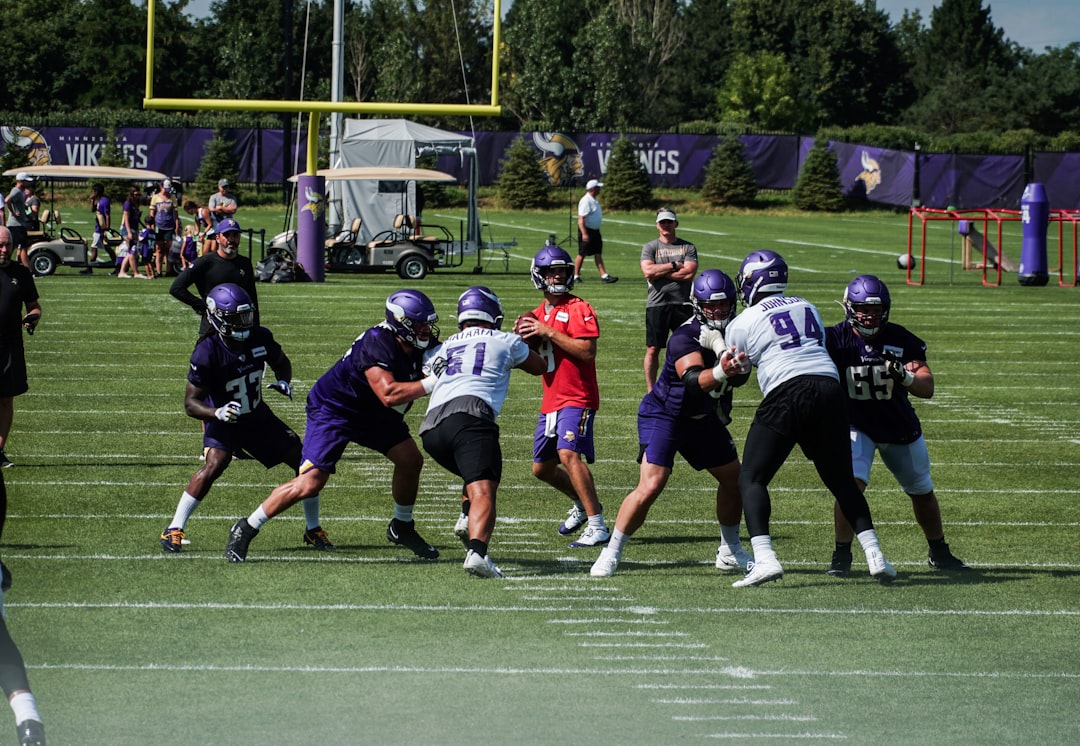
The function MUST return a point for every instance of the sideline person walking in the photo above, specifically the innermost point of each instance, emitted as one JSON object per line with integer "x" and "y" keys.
{"x": 590, "y": 242}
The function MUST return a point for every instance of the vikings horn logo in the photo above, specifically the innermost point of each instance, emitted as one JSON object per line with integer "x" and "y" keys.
{"x": 562, "y": 157}
{"x": 870, "y": 176}
{"x": 316, "y": 203}
{"x": 28, "y": 140}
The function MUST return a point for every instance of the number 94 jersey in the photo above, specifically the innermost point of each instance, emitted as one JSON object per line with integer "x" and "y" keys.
{"x": 234, "y": 373}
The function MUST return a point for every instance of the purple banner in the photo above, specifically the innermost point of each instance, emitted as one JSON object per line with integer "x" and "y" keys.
{"x": 671, "y": 160}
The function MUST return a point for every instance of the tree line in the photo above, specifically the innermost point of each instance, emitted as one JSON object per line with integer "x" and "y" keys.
{"x": 565, "y": 65}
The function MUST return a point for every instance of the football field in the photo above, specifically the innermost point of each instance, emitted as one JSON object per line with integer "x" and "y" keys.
{"x": 125, "y": 645}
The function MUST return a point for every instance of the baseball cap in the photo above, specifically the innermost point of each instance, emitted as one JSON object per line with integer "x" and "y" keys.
{"x": 167, "y": 185}
{"x": 227, "y": 225}
{"x": 223, "y": 182}
{"x": 593, "y": 184}
{"x": 23, "y": 176}
{"x": 666, "y": 215}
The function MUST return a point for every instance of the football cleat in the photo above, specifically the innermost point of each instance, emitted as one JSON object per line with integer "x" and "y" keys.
{"x": 240, "y": 535}
{"x": 841, "y": 563}
{"x": 759, "y": 573}
{"x": 172, "y": 540}
{"x": 944, "y": 560}
{"x": 318, "y": 539}
{"x": 575, "y": 519}
{"x": 729, "y": 561}
{"x": 880, "y": 567}
{"x": 31, "y": 733}
{"x": 481, "y": 566}
{"x": 592, "y": 537}
{"x": 5, "y": 578}
{"x": 6, "y": 463}
{"x": 461, "y": 529}
{"x": 605, "y": 564}
{"x": 404, "y": 534}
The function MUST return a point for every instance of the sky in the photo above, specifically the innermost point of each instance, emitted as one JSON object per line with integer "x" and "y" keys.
{"x": 1035, "y": 24}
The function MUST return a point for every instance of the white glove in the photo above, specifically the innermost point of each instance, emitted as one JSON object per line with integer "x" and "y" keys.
{"x": 435, "y": 366}
{"x": 229, "y": 413}
{"x": 283, "y": 387}
{"x": 712, "y": 339}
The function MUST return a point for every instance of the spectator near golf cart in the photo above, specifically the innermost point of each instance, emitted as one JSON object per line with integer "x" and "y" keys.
{"x": 61, "y": 245}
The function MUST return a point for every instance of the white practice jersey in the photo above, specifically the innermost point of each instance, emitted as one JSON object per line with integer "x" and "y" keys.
{"x": 783, "y": 336}
{"x": 479, "y": 361}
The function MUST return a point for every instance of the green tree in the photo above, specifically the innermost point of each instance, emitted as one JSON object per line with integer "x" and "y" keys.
{"x": 626, "y": 183}
{"x": 702, "y": 62}
{"x": 761, "y": 90}
{"x": 522, "y": 183}
{"x": 37, "y": 55}
{"x": 537, "y": 67}
{"x": 729, "y": 178}
{"x": 818, "y": 186}
{"x": 218, "y": 163}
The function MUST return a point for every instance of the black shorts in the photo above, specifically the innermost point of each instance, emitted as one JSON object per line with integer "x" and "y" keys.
{"x": 18, "y": 237}
{"x": 592, "y": 247}
{"x": 661, "y": 321}
{"x": 467, "y": 446}
{"x": 12, "y": 370}
{"x": 162, "y": 236}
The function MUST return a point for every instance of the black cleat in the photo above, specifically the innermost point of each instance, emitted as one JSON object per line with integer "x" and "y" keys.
{"x": 399, "y": 532}
{"x": 840, "y": 567}
{"x": 240, "y": 535}
{"x": 5, "y": 462}
{"x": 944, "y": 560}
{"x": 31, "y": 733}
{"x": 317, "y": 538}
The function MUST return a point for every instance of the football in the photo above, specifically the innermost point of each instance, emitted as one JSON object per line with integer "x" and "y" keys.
{"x": 903, "y": 260}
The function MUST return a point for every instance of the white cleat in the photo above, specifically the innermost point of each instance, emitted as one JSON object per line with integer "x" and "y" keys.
{"x": 880, "y": 567}
{"x": 760, "y": 572}
{"x": 729, "y": 561}
{"x": 575, "y": 519}
{"x": 481, "y": 566}
{"x": 592, "y": 537}
{"x": 605, "y": 564}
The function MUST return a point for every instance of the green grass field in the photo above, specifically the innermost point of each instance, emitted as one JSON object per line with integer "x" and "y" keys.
{"x": 127, "y": 646}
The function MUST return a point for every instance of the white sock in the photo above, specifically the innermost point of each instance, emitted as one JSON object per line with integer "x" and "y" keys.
{"x": 597, "y": 521}
{"x": 763, "y": 550}
{"x": 184, "y": 509}
{"x": 311, "y": 511}
{"x": 24, "y": 706}
{"x": 729, "y": 537}
{"x": 869, "y": 541}
{"x": 403, "y": 513}
{"x": 258, "y": 518}
{"x": 618, "y": 540}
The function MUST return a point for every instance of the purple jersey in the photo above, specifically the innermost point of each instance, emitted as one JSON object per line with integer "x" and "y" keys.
{"x": 669, "y": 390}
{"x": 233, "y": 374}
{"x": 103, "y": 210}
{"x": 877, "y": 405}
{"x": 344, "y": 390}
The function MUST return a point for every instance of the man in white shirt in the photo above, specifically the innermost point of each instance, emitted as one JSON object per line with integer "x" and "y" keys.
{"x": 590, "y": 242}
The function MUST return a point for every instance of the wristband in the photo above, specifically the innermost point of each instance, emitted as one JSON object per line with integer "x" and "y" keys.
{"x": 718, "y": 373}
{"x": 429, "y": 382}
{"x": 908, "y": 379}
{"x": 674, "y": 266}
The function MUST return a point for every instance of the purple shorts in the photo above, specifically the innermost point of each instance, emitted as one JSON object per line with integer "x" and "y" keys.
{"x": 705, "y": 443}
{"x": 260, "y": 433}
{"x": 327, "y": 435}
{"x": 567, "y": 429}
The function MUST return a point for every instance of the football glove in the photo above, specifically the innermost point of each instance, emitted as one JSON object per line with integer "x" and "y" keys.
{"x": 283, "y": 387}
{"x": 895, "y": 370}
{"x": 712, "y": 339}
{"x": 435, "y": 366}
{"x": 229, "y": 413}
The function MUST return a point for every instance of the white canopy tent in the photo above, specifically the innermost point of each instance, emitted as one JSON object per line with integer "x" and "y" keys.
{"x": 395, "y": 143}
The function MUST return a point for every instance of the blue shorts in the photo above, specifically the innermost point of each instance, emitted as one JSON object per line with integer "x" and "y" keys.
{"x": 327, "y": 435}
{"x": 260, "y": 433}
{"x": 704, "y": 442}
{"x": 566, "y": 429}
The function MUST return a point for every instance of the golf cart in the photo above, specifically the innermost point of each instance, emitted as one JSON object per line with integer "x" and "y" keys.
{"x": 397, "y": 248}
{"x": 60, "y": 245}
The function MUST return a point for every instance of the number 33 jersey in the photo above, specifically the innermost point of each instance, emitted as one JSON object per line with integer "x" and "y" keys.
{"x": 233, "y": 374}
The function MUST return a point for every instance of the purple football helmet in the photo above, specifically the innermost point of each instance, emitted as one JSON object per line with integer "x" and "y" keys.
{"x": 478, "y": 303}
{"x": 762, "y": 272}
{"x": 230, "y": 311}
{"x": 408, "y": 312}
{"x": 866, "y": 305}
{"x": 552, "y": 256}
{"x": 713, "y": 299}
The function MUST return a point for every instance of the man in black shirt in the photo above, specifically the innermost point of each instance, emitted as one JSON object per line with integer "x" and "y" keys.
{"x": 17, "y": 292}
{"x": 210, "y": 270}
